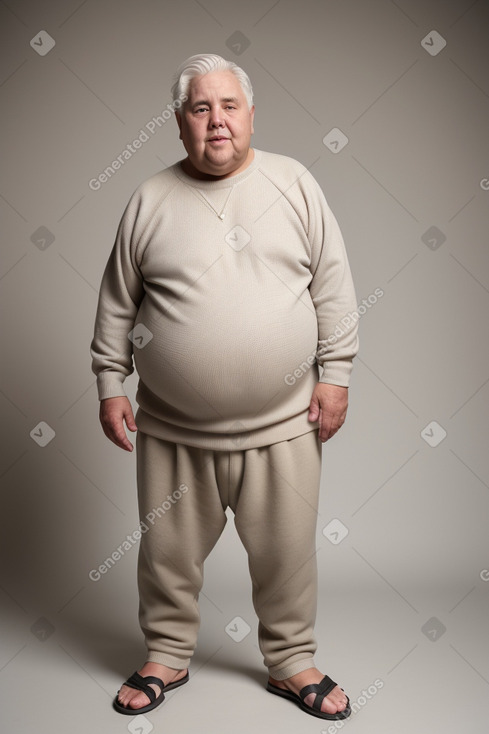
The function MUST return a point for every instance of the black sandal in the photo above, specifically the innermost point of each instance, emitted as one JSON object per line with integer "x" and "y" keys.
{"x": 142, "y": 684}
{"x": 322, "y": 689}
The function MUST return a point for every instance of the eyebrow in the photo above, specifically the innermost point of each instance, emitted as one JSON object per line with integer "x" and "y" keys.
{"x": 223, "y": 99}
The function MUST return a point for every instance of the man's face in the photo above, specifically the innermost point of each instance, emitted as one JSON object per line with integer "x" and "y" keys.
{"x": 216, "y": 126}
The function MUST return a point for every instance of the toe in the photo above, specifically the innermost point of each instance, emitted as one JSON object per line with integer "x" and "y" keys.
{"x": 335, "y": 702}
{"x": 138, "y": 701}
{"x": 337, "y": 699}
{"x": 141, "y": 699}
{"x": 134, "y": 699}
{"x": 122, "y": 694}
{"x": 330, "y": 707}
{"x": 327, "y": 705}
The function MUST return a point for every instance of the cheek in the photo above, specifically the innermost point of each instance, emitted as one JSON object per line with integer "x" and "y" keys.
{"x": 192, "y": 133}
{"x": 242, "y": 129}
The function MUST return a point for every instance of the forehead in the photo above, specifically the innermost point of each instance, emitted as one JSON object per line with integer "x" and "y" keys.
{"x": 216, "y": 84}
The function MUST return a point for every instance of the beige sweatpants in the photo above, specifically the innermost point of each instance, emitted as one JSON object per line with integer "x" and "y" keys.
{"x": 273, "y": 490}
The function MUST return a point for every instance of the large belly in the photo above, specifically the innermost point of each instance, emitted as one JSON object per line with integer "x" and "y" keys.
{"x": 211, "y": 363}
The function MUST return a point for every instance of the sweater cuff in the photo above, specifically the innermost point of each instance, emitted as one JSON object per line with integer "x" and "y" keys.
{"x": 337, "y": 372}
{"x": 109, "y": 385}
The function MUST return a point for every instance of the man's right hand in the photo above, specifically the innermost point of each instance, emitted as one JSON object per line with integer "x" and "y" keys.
{"x": 113, "y": 413}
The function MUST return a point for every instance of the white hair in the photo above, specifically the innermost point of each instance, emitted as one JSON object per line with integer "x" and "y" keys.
{"x": 203, "y": 64}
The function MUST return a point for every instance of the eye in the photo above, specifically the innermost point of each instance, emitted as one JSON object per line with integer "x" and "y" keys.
{"x": 201, "y": 109}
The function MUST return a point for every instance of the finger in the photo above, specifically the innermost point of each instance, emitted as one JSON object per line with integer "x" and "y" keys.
{"x": 121, "y": 440}
{"x": 329, "y": 425}
{"x": 115, "y": 432}
{"x": 335, "y": 424}
{"x": 130, "y": 422}
{"x": 314, "y": 410}
{"x": 325, "y": 426}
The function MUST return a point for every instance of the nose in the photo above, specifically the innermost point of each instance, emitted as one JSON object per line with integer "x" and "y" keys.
{"x": 216, "y": 118}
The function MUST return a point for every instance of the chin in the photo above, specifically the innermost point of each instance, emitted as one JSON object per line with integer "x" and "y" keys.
{"x": 220, "y": 162}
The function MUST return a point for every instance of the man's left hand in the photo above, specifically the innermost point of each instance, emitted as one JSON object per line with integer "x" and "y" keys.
{"x": 329, "y": 404}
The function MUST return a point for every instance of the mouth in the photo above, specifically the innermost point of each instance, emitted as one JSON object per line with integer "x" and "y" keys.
{"x": 217, "y": 139}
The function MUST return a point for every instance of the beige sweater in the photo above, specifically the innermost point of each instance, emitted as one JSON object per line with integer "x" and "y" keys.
{"x": 228, "y": 294}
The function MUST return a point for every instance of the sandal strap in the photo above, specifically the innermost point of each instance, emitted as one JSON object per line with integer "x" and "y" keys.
{"x": 321, "y": 690}
{"x": 141, "y": 684}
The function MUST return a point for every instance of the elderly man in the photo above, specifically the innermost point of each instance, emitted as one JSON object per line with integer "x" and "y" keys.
{"x": 229, "y": 285}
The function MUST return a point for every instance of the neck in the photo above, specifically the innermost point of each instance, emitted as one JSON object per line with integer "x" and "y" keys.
{"x": 194, "y": 172}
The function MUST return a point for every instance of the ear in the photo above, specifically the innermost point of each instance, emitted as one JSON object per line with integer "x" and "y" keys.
{"x": 179, "y": 122}
{"x": 252, "y": 118}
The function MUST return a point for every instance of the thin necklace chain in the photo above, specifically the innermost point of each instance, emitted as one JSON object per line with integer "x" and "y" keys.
{"x": 221, "y": 213}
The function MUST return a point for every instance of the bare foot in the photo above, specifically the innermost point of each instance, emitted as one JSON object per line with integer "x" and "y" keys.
{"x": 134, "y": 699}
{"x": 333, "y": 703}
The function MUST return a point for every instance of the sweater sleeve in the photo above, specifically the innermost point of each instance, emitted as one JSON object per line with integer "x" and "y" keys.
{"x": 121, "y": 293}
{"x": 331, "y": 288}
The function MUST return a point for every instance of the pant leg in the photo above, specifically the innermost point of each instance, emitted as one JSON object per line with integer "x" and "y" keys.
{"x": 183, "y": 527}
{"x": 276, "y": 517}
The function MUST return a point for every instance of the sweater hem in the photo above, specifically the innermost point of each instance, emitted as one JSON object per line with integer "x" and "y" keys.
{"x": 284, "y": 431}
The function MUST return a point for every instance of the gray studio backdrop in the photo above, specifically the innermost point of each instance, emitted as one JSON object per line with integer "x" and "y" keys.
{"x": 387, "y": 103}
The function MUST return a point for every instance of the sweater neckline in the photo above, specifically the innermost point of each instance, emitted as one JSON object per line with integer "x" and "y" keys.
{"x": 222, "y": 183}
